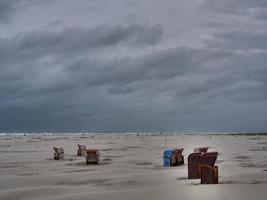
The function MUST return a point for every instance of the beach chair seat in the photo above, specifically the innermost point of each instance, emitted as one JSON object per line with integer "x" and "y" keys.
{"x": 194, "y": 160}
{"x": 81, "y": 151}
{"x": 59, "y": 153}
{"x": 92, "y": 156}
{"x": 201, "y": 150}
{"x": 209, "y": 172}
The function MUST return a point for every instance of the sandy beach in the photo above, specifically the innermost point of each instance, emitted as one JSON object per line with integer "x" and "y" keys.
{"x": 130, "y": 168}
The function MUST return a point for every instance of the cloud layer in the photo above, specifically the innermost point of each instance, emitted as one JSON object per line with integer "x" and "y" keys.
{"x": 131, "y": 70}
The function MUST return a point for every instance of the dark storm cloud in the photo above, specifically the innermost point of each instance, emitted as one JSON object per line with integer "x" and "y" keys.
{"x": 161, "y": 65}
{"x": 116, "y": 94}
{"x": 25, "y": 57}
{"x": 35, "y": 82}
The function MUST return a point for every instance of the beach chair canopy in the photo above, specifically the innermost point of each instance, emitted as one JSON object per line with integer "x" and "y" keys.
{"x": 179, "y": 151}
{"x": 201, "y": 150}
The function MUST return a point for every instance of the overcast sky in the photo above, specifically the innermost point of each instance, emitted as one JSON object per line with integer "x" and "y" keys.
{"x": 133, "y": 65}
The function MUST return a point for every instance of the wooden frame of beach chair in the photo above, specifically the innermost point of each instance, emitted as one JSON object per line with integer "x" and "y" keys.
{"x": 81, "y": 151}
{"x": 201, "y": 150}
{"x": 177, "y": 158}
{"x": 92, "y": 156}
{"x": 194, "y": 161}
{"x": 209, "y": 172}
{"x": 59, "y": 153}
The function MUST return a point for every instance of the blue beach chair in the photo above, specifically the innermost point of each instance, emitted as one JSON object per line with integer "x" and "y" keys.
{"x": 167, "y": 157}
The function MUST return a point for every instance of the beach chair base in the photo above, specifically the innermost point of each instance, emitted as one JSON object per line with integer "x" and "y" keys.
{"x": 59, "y": 157}
{"x": 79, "y": 153}
{"x": 91, "y": 162}
{"x": 210, "y": 176}
{"x": 177, "y": 160}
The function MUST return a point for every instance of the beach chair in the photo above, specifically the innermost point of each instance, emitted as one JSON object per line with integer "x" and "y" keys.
{"x": 92, "y": 156}
{"x": 81, "y": 151}
{"x": 194, "y": 160}
{"x": 177, "y": 157}
{"x": 209, "y": 172}
{"x": 201, "y": 150}
{"x": 59, "y": 153}
{"x": 167, "y": 155}
{"x": 173, "y": 157}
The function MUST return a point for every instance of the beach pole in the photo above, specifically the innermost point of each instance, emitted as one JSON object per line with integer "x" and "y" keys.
{"x": 166, "y": 140}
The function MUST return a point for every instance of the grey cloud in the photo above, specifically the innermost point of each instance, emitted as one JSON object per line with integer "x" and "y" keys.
{"x": 79, "y": 40}
{"x": 131, "y": 77}
{"x": 201, "y": 68}
{"x": 135, "y": 93}
{"x": 236, "y": 7}
{"x": 161, "y": 65}
{"x": 261, "y": 13}
{"x": 239, "y": 40}
{"x": 54, "y": 23}
{"x": 6, "y": 9}
{"x": 98, "y": 5}
{"x": 237, "y": 25}
{"x": 29, "y": 61}
{"x": 30, "y": 53}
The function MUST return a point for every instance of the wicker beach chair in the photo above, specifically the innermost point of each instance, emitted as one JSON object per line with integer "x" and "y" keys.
{"x": 173, "y": 157}
{"x": 59, "y": 153}
{"x": 177, "y": 157}
{"x": 209, "y": 172}
{"x": 194, "y": 161}
{"x": 81, "y": 151}
{"x": 92, "y": 156}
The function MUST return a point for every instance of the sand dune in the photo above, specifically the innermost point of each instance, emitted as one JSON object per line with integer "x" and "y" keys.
{"x": 130, "y": 168}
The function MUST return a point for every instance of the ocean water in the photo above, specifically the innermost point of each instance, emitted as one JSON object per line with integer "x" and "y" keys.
{"x": 111, "y": 133}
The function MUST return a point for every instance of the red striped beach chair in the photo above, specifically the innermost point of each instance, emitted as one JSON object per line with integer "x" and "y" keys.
{"x": 92, "y": 156}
